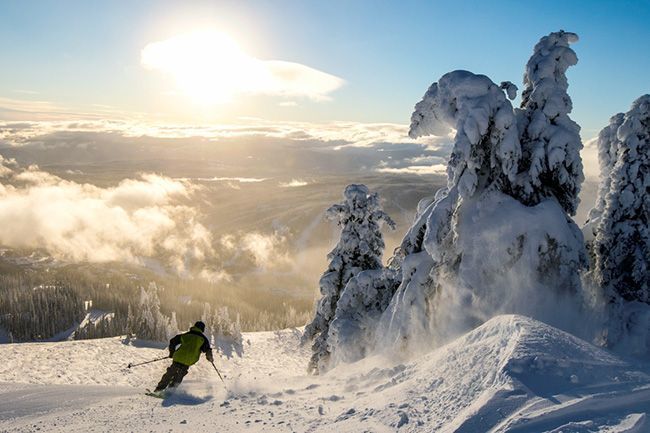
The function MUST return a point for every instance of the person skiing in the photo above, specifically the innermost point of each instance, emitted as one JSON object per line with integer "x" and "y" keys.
{"x": 185, "y": 350}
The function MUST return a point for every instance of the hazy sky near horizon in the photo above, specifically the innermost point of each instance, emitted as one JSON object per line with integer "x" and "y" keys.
{"x": 312, "y": 61}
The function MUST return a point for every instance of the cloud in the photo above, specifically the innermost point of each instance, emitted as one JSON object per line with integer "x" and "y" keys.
{"x": 251, "y": 151}
{"x": 337, "y": 135}
{"x": 367, "y": 141}
{"x": 231, "y": 182}
{"x": 428, "y": 163}
{"x": 440, "y": 169}
{"x": 7, "y": 166}
{"x": 133, "y": 220}
{"x": 266, "y": 248}
{"x": 26, "y": 92}
{"x": 18, "y": 109}
{"x": 232, "y": 179}
{"x": 209, "y": 66}
{"x": 590, "y": 159}
{"x": 226, "y": 179}
{"x": 294, "y": 183}
{"x": 268, "y": 251}
{"x": 215, "y": 276}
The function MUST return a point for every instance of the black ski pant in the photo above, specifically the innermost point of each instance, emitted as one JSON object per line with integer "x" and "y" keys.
{"x": 173, "y": 376}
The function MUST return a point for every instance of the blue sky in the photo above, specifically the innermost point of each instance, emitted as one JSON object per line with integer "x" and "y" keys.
{"x": 82, "y": 54}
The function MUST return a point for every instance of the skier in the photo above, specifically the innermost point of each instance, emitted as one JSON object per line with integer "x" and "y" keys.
{"x": 192, "y": 343}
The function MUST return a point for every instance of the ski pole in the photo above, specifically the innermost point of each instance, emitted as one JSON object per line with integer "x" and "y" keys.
{"x": 147, "y": 362}
{"x": 217, "y": 370}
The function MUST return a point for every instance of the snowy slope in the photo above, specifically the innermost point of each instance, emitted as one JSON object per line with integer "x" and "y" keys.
{"x": 511, "y": 374}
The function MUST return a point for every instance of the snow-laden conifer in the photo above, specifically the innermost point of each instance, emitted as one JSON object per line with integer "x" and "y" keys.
{"x": 551, "y": 165}
{"x": 486, "y": 147}
{"x": 484, "y": 156}
{"x": 622, "y": 243}
{"x": 360, "y": 248}
{"x": 607, "y": 156}
{"x": 145, "y": 320}
{"x": 498, "y": 238}
{"x": 366, "y": 296}
{"x": 607, "y": 143}
{"x": 172, "y": 328}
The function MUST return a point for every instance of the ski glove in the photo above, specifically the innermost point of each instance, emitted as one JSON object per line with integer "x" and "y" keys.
{"x": 209, "y": 356}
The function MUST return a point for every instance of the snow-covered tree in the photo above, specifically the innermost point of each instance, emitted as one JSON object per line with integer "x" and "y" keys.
{"x": 145, "y": 320}
{"x": 622, "y": 243}
{"x": 224, "y": 325}
{"x": 207, "y": 317}
{"x": 172, "y": 327}
{"x": 363, "y": 301}
{"x": 550, "y": 141}
{"x": 486, "y": 145}
{"x": 499, "y": 237}
{"x": 227, "y": 332}
{"x": 222, "y": 331}
{"x": 360, "y": 248}
{"x": 31, "y": 312}
{"x": 417, "y": 261}
{"x": 484, "y": 158}
{"x": 607, "y": 154}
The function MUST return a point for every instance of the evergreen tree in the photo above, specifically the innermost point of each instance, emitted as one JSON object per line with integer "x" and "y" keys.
{"x": 486, "y": 144}
{"x": 366, "y": 296}
{"x": 145, "y": 320}
{"x": 172, "y": 328}
{"x": 30, "y": 310}
{"x": 607, "y": 155}
{"x": 208, "y": 318}
{"x": 498, "y": 238}
{"x": 360, "y": 248}
{"x": 484, "y": 158}
{"x": 228, "y": 332}
{"x": 622, "y": 243}
{"x": 551, "y": 165}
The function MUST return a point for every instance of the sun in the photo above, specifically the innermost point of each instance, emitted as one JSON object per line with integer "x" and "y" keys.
{"x": 208, "y": 66}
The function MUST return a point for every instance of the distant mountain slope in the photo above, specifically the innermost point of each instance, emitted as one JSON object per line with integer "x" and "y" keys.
{"x": 512, "y": 374}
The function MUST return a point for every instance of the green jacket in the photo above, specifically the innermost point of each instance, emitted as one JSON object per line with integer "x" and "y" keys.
{"x": 191, "y": 343}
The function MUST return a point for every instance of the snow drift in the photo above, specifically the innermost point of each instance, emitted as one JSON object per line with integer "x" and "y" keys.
{"x": 511, "y": 374}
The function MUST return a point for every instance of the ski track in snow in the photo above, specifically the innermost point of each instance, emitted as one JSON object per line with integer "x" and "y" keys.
{"x": 512, "y": 374}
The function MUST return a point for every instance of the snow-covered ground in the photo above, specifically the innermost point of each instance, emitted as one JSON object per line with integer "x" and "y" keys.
{"x": 511, "y": 374}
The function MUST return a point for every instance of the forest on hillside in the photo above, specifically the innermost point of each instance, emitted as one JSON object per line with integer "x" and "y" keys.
{"x": 52, "y": 303}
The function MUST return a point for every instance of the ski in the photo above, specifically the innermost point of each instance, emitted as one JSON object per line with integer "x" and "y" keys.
{"x": 160, "y": 394}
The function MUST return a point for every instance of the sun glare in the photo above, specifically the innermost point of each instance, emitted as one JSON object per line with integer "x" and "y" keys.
{"x": 208, "y": 66}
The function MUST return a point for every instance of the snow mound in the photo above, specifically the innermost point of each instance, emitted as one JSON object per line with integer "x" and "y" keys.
{"x": 512, "y": 374}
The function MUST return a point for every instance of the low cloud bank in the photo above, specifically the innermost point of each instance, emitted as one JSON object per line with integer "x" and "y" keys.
{"x": 137, "y": 218}
{"x": 385, "y": 147}
{"x": 294, "y": 183}
{"x": 268, "y": 252}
